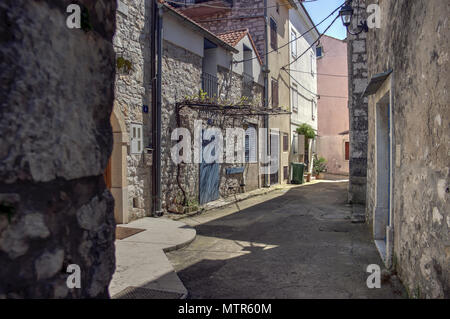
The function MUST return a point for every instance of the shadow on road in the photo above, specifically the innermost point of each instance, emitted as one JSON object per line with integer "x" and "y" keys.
{"x": 298, "y": 245}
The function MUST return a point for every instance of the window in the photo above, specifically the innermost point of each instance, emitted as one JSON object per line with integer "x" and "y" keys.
{"x": 319, "y": 52}
{"x": 273, "y": 34}
{"x": 285, "y": 142}
{"x": 285, "y": 172}
{"x": 293, "y": 44}
{"x": 274, "y": 93}
{"x": 347, "y": 151}
{"x": 136, "y": 139}
{"x": 294, "y": 98}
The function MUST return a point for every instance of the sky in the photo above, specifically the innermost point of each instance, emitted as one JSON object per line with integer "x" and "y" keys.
{"x": 319, "y": 9}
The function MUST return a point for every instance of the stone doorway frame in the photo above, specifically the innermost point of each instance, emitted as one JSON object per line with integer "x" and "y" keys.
{"x": 119, "y": 182}
{"x": 383, "y": 222}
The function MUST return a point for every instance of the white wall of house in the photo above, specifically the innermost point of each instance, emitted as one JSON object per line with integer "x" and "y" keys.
{"x": 177, "y": 33}
{"x": 251, "y": 68}
{"x": 223, "y": 57}
{"x": 303, "y": 71}
{"x": 303, "y": 81}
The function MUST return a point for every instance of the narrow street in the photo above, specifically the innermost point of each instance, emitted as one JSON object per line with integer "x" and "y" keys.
{"x": 294, "y": 243}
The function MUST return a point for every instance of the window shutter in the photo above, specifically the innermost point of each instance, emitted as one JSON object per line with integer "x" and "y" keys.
{"x": 347, "y": 151}
{"x": 293, "y": 44}
{"x": 247, "y": 148}
{"x": 136, "y": 139}
{"x": 139, "y": 139}
{"x": 285, "y": 142}
{"x": 250, "y": 145}
{"x": 273, "y": 34}
{"x": 274, "y": 93}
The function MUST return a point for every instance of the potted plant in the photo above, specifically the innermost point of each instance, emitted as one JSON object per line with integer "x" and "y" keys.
{"x": 308, "y": 177}
{"x": 319, "y": 167}
{"x": 309, "y": 133}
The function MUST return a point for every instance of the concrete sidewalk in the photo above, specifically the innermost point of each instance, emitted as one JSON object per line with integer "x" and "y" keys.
{"x": 142, "y": 268}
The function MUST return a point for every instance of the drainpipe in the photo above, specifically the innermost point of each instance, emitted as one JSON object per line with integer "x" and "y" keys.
{"x": 156, "y": 106}
{"x": 266, "y": 85}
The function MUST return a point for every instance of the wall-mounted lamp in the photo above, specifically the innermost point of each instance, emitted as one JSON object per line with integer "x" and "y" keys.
{"x": 346, "y": 14}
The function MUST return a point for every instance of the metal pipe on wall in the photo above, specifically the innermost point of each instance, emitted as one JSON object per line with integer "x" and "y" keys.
{"x": 266, "y": 85}
{"x": 156, "y": 47}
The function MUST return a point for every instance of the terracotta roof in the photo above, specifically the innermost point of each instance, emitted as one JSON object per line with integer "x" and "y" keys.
{"x": 234, "y": 36}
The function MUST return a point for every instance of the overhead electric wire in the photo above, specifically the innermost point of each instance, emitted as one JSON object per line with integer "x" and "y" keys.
{"x": 240, "y": 8}
{"x": 275, "y": 50}
{"x": 312, "y": 44}
{"x": 324, "y": 74}
{"x": 299, "y": 37}
{"x": 304, "y": 52}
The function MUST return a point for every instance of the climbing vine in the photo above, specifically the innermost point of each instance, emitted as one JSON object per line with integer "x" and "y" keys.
{"x": 124, "y": 65}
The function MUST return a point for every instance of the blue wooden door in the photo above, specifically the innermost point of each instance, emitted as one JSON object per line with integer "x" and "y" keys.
{"x": 209, "y": 178}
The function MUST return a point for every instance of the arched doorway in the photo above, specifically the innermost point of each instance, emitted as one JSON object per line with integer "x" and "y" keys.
{"x": 116, "y": 172}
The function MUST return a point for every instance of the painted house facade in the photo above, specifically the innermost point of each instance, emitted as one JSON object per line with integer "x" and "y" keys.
{"x": 333, "y": 116}
{"x": 303, "y": 90}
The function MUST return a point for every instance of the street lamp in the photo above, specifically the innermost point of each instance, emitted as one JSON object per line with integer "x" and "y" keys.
{"x": 346, "y": 14}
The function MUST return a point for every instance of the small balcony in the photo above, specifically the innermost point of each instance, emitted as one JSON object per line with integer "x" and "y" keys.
{"x": 210, "y": 84}
{"x": 194, "y": 8}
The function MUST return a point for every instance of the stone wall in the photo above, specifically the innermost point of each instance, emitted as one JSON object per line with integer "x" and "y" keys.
{"x": 132, "y": 92}
{"x": 229, "y": 184}
{"x": 357, "y": 72}
{"x": 182, "y": 77}
{"x": 251, "y": 18}
{"x": 415, "y": 45}
{"x": 56, "y": 98}
{"x": 233, "y": 87}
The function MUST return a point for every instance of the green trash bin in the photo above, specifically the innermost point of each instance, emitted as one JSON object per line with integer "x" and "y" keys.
{"x": 297, "y": 173}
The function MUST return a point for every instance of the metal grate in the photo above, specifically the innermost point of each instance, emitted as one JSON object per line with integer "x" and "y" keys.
{"x": 146, "y": 293}
{"x": 210, "y": 84}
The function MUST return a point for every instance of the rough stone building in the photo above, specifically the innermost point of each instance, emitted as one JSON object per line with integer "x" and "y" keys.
{"x": 195, "y": 59}
{"x": 56, "y": 98}
{"x": 128, "y": 174}
{"x": 408, "y": 141}
{"x": 270, "y": 32}
{"x": 357, "y": 107}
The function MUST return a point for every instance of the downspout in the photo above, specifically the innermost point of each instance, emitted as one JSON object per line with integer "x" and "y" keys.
{"x": 157, "y": 211}
{"x": 266, "y": 86}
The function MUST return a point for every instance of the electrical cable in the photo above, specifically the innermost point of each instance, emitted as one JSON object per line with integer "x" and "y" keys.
{"x": 299, "y": 37}
{"x": 240, "y": 8}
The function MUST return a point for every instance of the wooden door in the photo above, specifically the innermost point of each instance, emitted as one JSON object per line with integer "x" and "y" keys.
{"x": 107, "y": 175}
